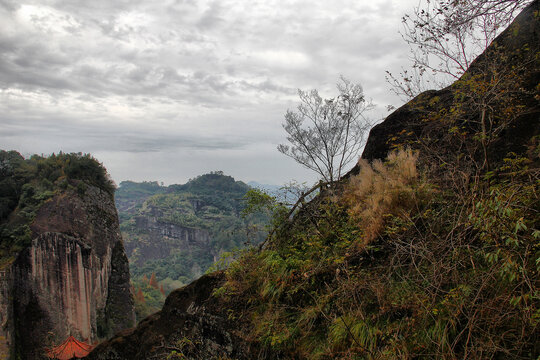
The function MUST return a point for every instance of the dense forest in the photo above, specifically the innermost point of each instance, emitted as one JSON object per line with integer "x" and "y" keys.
{"x": 173, "y": 234}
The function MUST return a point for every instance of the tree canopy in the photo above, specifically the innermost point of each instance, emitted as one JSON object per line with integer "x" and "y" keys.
{"x": 26, "y": 183}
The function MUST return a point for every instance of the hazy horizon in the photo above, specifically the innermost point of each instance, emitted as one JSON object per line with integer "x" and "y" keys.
{"x": 173, "y": 90}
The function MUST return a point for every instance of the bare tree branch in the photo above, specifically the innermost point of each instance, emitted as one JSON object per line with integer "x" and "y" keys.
{"x": 325, "y": 135}
{"x": 445, "y": 36}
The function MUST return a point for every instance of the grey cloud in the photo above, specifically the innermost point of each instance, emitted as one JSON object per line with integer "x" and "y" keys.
{"x": 145, "y": 77}
{"x": 181, "y": 59}
{"x": 136, "y": 142}
{"x": 10, "y": 5}
{"x": 37, "y": 56}
{"x": 12, "y": 75}
{"x": 153, "y": 144}
{"x": 268, "y": 86}
{"x": 212, "y": 17}
{"x": 96, "y": 6}
{"x": 113, "y": 137}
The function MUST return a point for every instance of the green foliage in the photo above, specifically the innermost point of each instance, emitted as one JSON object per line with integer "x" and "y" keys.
{"x": 447, "y": 274}
{"x": 214, "y": 203}
{"x": 257, "y": 200}
{"x": 179, "y": 265}
{"x": 148, "y": 299}
{"x": 135, "y": 190}
{"x": 261, "y": 206}
{"x": 224, "y": 260}
{"x": 25, "y": 184}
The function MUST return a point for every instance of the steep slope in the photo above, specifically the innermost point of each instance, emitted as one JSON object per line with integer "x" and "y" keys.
{"x": 64, "y": 266}
{"x": 192, "y": 323}
{"x": 176, "y": 233}
{"x": 504, "y": 80}
{"x": 433, "y": 253}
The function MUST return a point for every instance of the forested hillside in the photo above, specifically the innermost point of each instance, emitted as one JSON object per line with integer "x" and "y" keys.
{"x": 174, "y": 234}
{"x": 25, "y": 184}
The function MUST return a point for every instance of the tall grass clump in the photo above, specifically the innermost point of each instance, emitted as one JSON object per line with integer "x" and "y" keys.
{"x": 391, "y": 266}
{"x": 383, "y": 189}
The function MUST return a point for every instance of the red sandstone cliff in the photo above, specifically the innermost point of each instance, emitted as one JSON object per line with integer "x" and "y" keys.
{"x": 72, "y": 280}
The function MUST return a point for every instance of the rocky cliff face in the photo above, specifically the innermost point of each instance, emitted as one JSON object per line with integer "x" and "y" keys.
{"x": 509, "y": 65}
{"x": 192, "y": 322}
{"x": 162, "y": 238}
{"x": 72, "y": 280}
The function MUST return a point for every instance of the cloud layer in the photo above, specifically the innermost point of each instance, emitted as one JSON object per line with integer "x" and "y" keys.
{"x": 167, "y": 90}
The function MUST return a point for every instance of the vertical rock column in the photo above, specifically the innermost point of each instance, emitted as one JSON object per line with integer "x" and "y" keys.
{"x": 67, "y": 280}
{"x": 73, "y": 279}
{"x": 5, "y": 285}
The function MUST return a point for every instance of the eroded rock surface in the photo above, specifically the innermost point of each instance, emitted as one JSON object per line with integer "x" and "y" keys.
{"x": 163, "y": 238}
{"x": 192, "y": 322}
{"x": 72, "y": 280}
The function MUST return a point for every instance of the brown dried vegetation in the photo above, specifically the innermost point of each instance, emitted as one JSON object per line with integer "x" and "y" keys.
{"x": 381, "y": 190}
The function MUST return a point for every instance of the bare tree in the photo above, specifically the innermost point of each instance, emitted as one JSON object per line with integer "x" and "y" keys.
{"x": 325, "y": 135}
{"x": 445, "y": 36}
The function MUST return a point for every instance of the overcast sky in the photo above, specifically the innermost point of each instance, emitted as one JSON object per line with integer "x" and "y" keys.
{"x": 168, "y": 90}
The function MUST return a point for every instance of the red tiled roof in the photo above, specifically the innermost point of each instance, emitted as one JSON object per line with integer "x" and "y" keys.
{"x": 69, "y": 349}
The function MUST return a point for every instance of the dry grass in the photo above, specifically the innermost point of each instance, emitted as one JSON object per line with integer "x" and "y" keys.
{"x": 382, "y": 189}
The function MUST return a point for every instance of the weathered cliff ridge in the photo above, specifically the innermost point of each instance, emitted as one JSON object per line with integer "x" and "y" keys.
{"x": 177, "y": 232}
{"x": 506, "y": 72}
{"x": 163, "y": 238}
{"x": 72, "y": 280}
{"x": 355, "y": 307}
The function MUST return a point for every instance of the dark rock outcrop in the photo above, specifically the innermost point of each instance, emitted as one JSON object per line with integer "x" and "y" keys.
{"x": 192, "y": 322}
{"x": 72, "y": 280}
{"x": 162, "y": 238}
{"x": 515, "y": 50}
